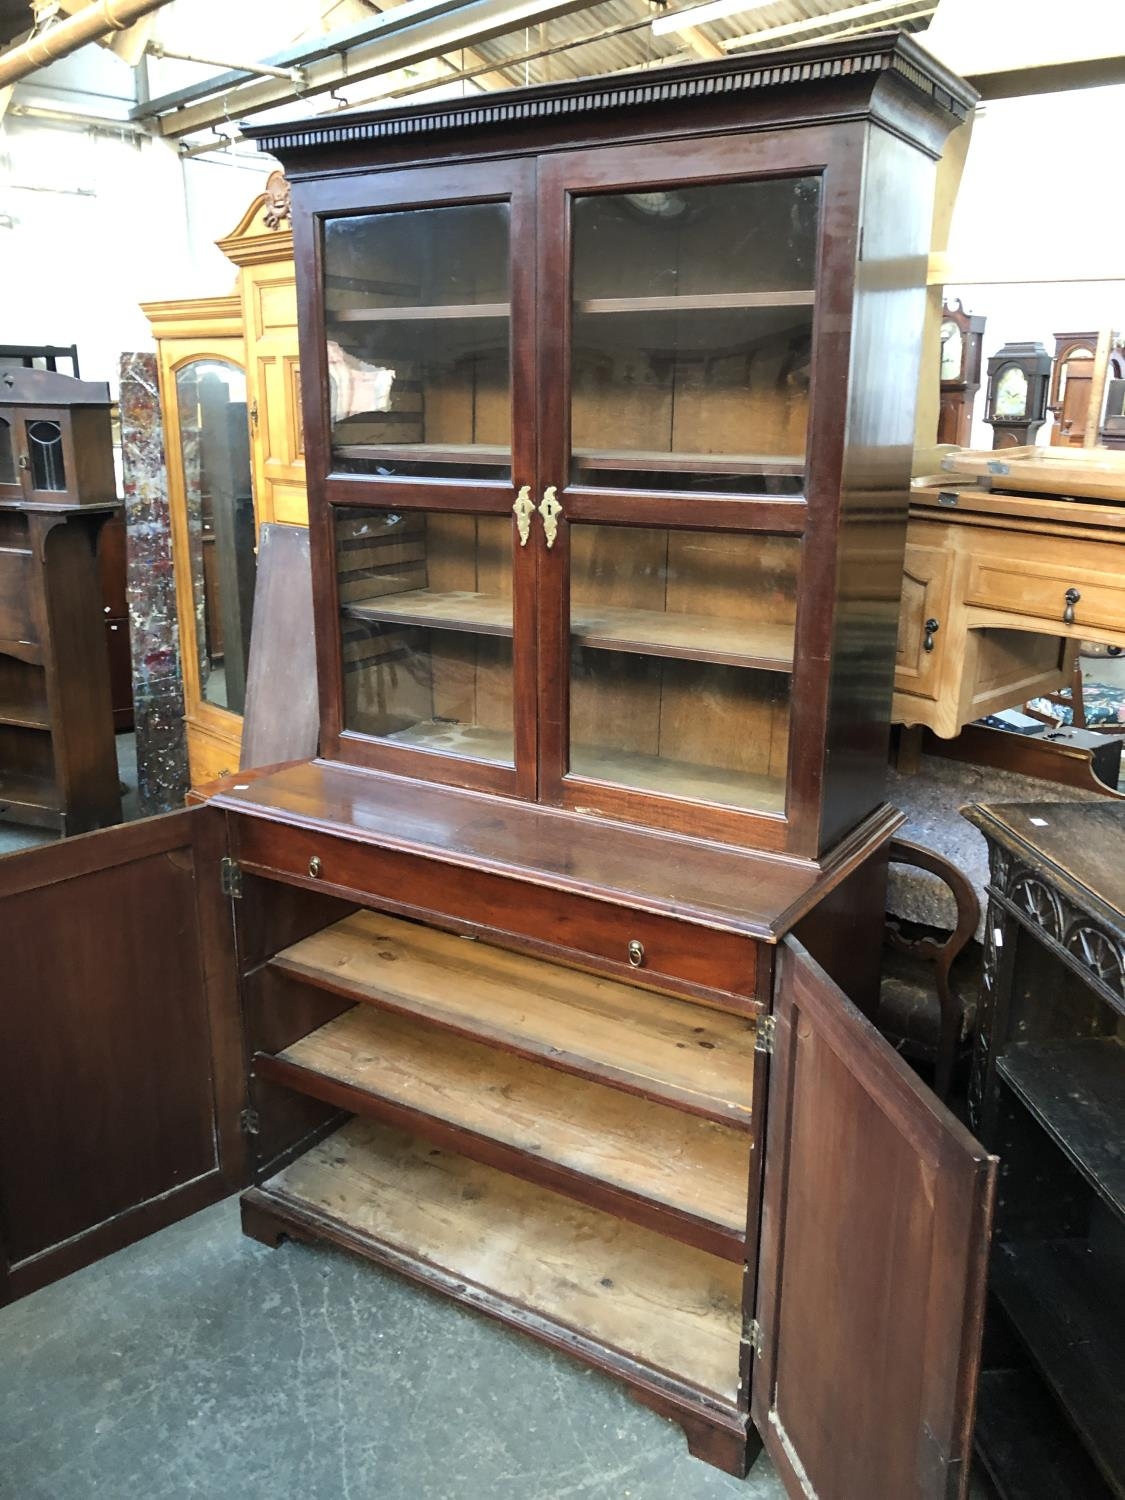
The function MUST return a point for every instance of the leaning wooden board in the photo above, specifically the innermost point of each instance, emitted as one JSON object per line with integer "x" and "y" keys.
{"x": 1093, "y": 474}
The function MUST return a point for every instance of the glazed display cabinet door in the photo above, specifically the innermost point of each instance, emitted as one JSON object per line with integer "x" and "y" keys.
{"x": 426, "y": 371}
{"x": 876, "y": 1223}
{"x": 679, "y": 297}
{"x": 121, "y": 1075}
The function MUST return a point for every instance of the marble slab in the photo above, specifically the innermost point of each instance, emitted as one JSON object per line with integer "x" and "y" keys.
{"x": 158, "y": 692}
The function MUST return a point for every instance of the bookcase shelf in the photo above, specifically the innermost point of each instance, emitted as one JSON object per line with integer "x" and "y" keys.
{"x": 596, "y": 1144}
{"x": 668, "y": 1050}
{"x": 647, "y": 632}
{"x": 524, "y": 1252}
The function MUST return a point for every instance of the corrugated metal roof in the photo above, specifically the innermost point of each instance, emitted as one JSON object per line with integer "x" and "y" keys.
{"x": 577, "y": 46}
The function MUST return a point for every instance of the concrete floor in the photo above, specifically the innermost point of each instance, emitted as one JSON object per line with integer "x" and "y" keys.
{"x": 200, "y": 1363}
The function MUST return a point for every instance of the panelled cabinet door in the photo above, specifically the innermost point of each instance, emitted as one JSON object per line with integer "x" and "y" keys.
{"x": 121, "y": 1071}
{"x": 876, "y": 1219}
{"x": 925, "y": 610}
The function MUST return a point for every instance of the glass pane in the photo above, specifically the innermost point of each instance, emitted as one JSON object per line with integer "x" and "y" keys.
{"x": 418, "y": 321}
{"x": 681, "y": 661}
{"x": 7, "y": 455}
{"x": 215, "y": 453}
{"x": 692, "y": 336}
{"x": 426, "y": 630}
{"x": 45, "y": 449}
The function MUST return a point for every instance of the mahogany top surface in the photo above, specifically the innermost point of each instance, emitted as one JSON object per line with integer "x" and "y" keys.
{"x": 715, "y": 885}
{"x": 1077, "y": 845}
{"x": 23, "y": 387}
{"x": 874, "y": 54}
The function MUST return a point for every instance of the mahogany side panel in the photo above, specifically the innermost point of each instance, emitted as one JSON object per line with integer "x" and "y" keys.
{"x": 886, "y": 333}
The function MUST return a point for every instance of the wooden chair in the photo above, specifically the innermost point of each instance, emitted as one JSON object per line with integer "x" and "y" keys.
{"x": 921, "y": 1010}
{"x": 1072, "y": 700}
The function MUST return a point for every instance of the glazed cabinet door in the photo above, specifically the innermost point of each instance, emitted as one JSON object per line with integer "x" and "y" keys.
{"x": 121, "y": 1070}
{"x": 683, "y": 291}
{"x": 876, "y": 1222}
{"x": 426, "y": 607}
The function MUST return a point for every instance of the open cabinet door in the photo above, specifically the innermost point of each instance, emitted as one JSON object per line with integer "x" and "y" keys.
{"x": 121, "y": 1070}
{"x": 875, "y": 1232}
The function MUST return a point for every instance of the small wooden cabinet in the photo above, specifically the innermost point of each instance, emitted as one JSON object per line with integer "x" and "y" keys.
{"x": 533, "y": 986}
{"x": 1048, "y": 1091}
{"x": 230, "y": 399}
{"x": 58, "y": 759}
{"x": 999, "y": 590}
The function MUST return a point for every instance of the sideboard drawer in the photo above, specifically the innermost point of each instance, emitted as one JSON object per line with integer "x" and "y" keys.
{"x": 1033, "y": 580}
{"x": 661, "y": 951}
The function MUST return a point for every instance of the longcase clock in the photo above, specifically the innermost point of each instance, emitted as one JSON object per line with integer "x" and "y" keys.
{"x": 962, "y": 336}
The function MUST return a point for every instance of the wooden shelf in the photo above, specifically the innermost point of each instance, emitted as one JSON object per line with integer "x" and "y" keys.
{"x": 659, "y": 461}
{"x": 32, "y": 792}
{"x": 434, "y": 312}
{"x": 1026, "y": 1446}
{"x": 27, "y": 651}
{"x": 467, "y": 741}
{"x": 1076, "y": 1090}
{"x": 695, "y": 302}
{"x": 698, "y": 1059}
{"x": 528, "y": 1255}
{"x": 594, "y": 1143}
{"x": 694, "y": 783}
{"x": 475, "y": 614}
{"x": 645, "y": 632}
{"x": 1070, "y": 1313}
{"x": 483, "y": 454}
{"x": 25, "y": 715}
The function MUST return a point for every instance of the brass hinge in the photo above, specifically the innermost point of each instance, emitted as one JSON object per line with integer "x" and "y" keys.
{"x": 763, "y": 1038}
{"x": 250, "y": 1121}
{"x": 752, "y": 1334}
{"x": 230, "y": 877}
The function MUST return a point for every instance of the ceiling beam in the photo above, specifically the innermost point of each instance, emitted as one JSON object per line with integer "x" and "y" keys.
{"x": 410, "y": 33}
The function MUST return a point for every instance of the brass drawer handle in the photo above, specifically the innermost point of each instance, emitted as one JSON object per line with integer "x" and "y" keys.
{"x": 314, "y": 866}
{"x": 524, "y": 509}
{"x": 1072, "y": 597}
{"x": 636, "y": 953}
{"x": 931, "y": 628}
{"x": 550, "y": 510}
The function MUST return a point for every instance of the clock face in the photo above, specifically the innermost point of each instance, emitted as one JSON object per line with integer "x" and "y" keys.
{"x": 952, "y": 348}
{"x": 1011, "y": 393}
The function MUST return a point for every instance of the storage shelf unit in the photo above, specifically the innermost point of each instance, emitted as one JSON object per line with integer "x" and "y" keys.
{"x": 591, "y": 563}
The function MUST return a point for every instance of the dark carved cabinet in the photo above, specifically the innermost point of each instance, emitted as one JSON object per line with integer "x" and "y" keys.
{"x": 58, "y": 762}
{"x": 544, "y": 985}
{"x": 1049, "y": 1095}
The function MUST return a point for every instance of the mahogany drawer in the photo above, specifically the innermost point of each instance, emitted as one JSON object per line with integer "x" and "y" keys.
{"x": 1033, "y": 580}
{"x": 673, "y": 954}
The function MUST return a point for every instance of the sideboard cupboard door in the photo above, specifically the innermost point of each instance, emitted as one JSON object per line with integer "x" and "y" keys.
{"x": 121, "y": 1060}
{"x": 875, "y": 1231}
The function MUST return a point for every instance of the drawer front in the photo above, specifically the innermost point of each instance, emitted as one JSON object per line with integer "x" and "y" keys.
{"x": 609, "y": 938}
{"x": 1034, "y": 578}
{"x": 210, "y": 757}
{"x": 15, "y": 597}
